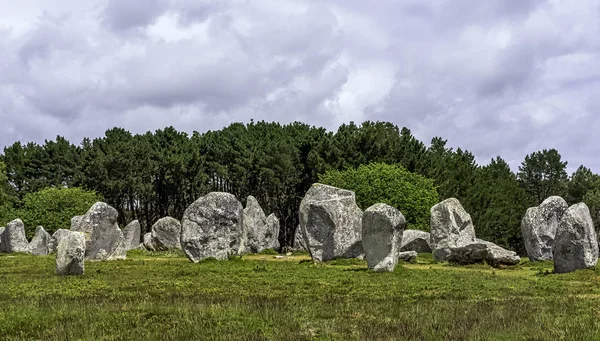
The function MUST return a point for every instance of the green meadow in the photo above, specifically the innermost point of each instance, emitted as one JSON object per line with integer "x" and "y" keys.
{"x": 163, "y": 296}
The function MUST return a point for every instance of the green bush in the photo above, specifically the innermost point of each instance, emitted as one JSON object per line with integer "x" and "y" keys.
{"x": 411, "y": 193}
{"x": 53, "y": 208}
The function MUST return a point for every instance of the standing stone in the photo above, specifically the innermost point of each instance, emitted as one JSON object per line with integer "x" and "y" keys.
{"x": 165, "y": 234}
{"x": 131, "y": 234}
{"x": 104, "y": 238}
{"x": 415, "y": 240}
{"x": 299, "y": 243}
{"x": 382, "y": 228}
{"x": 271, "y": 238}
{"x": 451, "y": 226}
{"x": 148, "y": 242}
{"x": 13, "y": 237}
{"x": 57, "y": 236}
{"x": 70, "y": 255}
{"x": 575, "y": 246}
{"x": 539, "y": 227}
{"x": 39, "y": 245}
{"x": 263, "y": 231}
{"x": 1, "y": 239}
{"x": 331, "y": 223}
{"x": 213, "y": 226}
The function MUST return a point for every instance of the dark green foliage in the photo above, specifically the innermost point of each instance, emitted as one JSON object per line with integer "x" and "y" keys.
{"x": 543, "y": 174}
{"x": 53, "y": 208}
{"x": 411, "y": 193}
{"x": 7, "y": 198}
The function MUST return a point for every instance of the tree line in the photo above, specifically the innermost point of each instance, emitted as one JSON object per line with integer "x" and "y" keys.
{"x": 156, "y": 174}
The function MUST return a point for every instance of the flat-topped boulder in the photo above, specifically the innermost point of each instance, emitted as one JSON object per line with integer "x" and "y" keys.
{"x": 331, "y": 223}
{"x": 104, "y": 238}
{"x": 481, "y": 251}
{"x": 39, "y": 244}
{"x": 382, "y": 228}
{"x": 539, "y": 226}
{"x": 415, "y": 240}
{"x": 165, "y": 234}
{"x": 451, "y": 227}
{"x": 575, "y": 246}
{"x": 57, "y": 236}
{"x": 213, "y": 226}
{"x": 13, "y": 237}
{"x": 132, "y": 234}
{"x": 70, "y": 254}
{"x": 407, "y": 256}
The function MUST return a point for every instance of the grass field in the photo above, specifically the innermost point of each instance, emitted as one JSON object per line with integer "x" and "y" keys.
{"x": 153, "y": 296}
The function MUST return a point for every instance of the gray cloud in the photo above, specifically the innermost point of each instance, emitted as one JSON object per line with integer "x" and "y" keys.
{"x": 493, "y": 77}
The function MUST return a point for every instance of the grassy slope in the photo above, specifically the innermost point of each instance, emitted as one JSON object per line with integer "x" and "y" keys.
{"x": 165, "y": 297}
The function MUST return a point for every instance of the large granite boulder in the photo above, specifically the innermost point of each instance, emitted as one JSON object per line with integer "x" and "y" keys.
{"x": 131, "y": 234}
{"x": 539, "y": 227}
{"x": 382, "y": 228}
{"x": 331, "y": 223}
{"x": 451, "y": 227}
{"x": 71, "y": 253}
{"x": 13, "y": 237}
{"x": 481, "y": 251}
{"x": 39, "y": 244}
{"x": 2, "y": 228}
{"x": 148, "y": 242}
{"x": 575, "y": 246}
{"x": 213, "y": 226}
{"x": 299, "y": 243}
{"x": 104, "y": 238}
{"x": 415, "y": 240}
{"x": 57, "y": 236}
{"x": 166, "y": 233}
{"x": 263, "y": 231}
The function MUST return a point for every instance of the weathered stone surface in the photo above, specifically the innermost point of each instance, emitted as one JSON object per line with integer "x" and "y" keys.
{"x": 148, "y": 242}
{"x": 39, "y": 244}
{"x": 104, "y": 238}
{"x": 13, "y": 237}
{"x": 299, "y": 243}
{"x": 213, "y": 226}
{"x": 382, "y": 228}
{"x": 263, "y": 231}
{"x": 131, "y": 234}
{"x": 575, "y": 246}
{"x": 70, "y": 255}
{"x": 451, "y": 227}
{"x": 539, "y": 227}
{"x": 57, "y": 236}
{"x": 166, "y": 233}
{"x": 415, "y": 240}
{"x": 331, "y": 223}
{"x": 271, "y": 238}
{"x": 482, "y": 250}
{"x": 1, "y": 239}
{"x": 407, "y": 256}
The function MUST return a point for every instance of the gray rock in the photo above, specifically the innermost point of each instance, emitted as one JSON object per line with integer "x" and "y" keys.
{"x": 575, "y": 246}
{"x": 481, "y": 251}
{"x": 407, "y": 256}
{"x": 213, "y": 226}
{"x": 13, "y": 237}
{"x": 1, "y": 239}
{"x": 39, "y": 244}
{"x": 539, "y": 227}
{"x": 271, "y": 238}
{"x": 382, "y": 228}
{"x": 415, "y": 240}
{"x": 331, "y": 223}
{"x": 57, "y": 236}
{"x": 131, "y": 234}
{"x": 70, "y": 255}
{"x": 148, "y": 242}
{"x": 255, "y": 222}
{"x": 299, "y": 242}
{"x": 166, "y": 233}
{"x": 451, "y": 227}
{"x": 104, "y": 238}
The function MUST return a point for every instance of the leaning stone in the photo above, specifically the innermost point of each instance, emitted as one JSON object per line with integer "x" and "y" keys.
{"x": 104, "y": 238}
{"x": 451, "y": 227}
{"x": 382, "y": 228}
{"x": 331, "y": 223}
{"x": 131, "y": 234}
{"x": 575, "y": 246}
{"x": 70, "y": 254}
{"x": 57, "y": 236}
{"x": 213, "y": 226}
{"x": 39, "y": 245}
{"x": 166, "y": 233}
{"x": 539, "y": 227}
{"x": 13, "y": 237}
{"x": 407, "y": 256}
{"x": 415, "y": 240}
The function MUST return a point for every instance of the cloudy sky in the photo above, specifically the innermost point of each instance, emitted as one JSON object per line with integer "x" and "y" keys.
{"x": 497, "y": 77}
